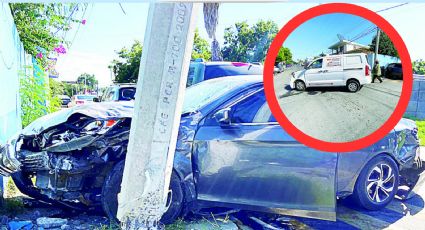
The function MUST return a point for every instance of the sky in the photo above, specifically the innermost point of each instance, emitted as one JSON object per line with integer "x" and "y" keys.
{"x": 108, "y": 29}
{"x": 317, "y": 34}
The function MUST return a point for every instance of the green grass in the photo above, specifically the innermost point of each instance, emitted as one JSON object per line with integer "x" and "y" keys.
{"x": 111, "y": 226}
{"x": 177, "y": 225}
{"x": 421, "y": 131}
{"x": 12, "y": 207}
{"x": 421, "y": 128}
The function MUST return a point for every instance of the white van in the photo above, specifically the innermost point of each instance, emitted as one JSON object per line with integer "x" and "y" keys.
{"x": 350, "y": 70}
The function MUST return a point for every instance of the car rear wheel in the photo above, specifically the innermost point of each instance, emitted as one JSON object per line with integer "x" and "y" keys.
{"x": 353, "y": 86}
{"x": 300, "y": 85}
{"x": 377, "y": 183}
{"x": 112, "y": 186}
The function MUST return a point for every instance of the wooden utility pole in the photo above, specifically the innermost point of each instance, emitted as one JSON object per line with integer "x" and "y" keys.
{"x": 162, "y": 79}
{"x": 378, "y": 34}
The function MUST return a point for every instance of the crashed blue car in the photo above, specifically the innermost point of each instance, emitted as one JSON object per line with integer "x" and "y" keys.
{"x": 230, "y": 153}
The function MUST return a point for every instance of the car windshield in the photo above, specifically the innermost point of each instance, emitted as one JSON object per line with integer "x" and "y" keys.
{"x": 205, "y": 92}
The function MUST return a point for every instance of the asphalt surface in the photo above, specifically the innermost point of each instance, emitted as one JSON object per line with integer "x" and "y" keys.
{"x": 332, "y": 113}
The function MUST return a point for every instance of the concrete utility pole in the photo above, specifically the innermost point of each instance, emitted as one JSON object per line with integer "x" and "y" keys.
{"x": 378, "y": 34}
{"x": 159, "y": 97}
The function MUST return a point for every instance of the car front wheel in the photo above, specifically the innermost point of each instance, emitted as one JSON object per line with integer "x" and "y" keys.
{"x": 300, "y": 85}
{"x": 112, "y": 186}
{"x": 377, "y": 183}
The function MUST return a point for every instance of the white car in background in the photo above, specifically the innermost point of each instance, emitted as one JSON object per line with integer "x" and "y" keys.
{"x": 350, "y": 70}
{"x": 81, "y": 99}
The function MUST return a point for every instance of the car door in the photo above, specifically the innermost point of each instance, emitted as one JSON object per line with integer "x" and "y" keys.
{"x": 314, "y": 74}
{"x": 251, "y": 162}
{"x": 333, "y": 71}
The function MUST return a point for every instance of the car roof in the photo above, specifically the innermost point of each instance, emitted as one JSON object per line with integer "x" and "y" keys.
{"x": 225, "y": 63}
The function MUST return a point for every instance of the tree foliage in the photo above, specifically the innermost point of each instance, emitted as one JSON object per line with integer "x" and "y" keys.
{"x": 37, "y": 99}
{"x": 87, "y": 81}
{"x": 246, "y": 43}
{"x": 419, "y": 67}
{"x": 386, "y": 46}
{"x": 42, "y": 27}
{"x": 201, "y": 48}
{"x": 126, "y": 67}
{"x": 284, "y": 55}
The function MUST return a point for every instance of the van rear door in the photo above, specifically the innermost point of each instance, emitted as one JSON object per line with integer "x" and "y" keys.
{"x": 354, "y": 67}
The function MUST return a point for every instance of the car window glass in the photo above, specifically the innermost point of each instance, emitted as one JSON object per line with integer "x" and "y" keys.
{"x": 316, "y": 64}
{"x": 196, "y": 73}
{"x": 127, "y": 94}
{"x": 232, "y": 69}
{"x": 253, "y": 109}
{"x": 109, "y": 96}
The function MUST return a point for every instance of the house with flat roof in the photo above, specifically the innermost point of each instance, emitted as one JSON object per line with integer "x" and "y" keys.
{"x": 346, "y": 46}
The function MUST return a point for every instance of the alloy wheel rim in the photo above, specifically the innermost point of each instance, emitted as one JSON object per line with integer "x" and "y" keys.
{"x": 352, "y": 86}
{"x": 300, "y": 85}
{"x": 380, "y": 183}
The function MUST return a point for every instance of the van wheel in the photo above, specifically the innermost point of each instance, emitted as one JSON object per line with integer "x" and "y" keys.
{"x": 353, "y": 86}
{"x": 377, "y": 183}
{"x": 300, "y": 85}
{"x": 112, "y": 186}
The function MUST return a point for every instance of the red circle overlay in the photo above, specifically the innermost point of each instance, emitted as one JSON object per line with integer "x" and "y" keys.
{"x": 338, "y": 146}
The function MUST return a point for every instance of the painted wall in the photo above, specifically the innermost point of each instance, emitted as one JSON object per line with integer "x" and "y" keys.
{"x": 12, "y": 60}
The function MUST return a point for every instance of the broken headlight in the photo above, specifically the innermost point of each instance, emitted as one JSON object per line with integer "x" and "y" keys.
{"x": 99, "y": 126}
{"x": 8, "y": 162}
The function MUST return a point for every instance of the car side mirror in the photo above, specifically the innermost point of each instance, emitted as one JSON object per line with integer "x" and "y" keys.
{"x": 96, "y": 99}
{"x": 223, "y": 117}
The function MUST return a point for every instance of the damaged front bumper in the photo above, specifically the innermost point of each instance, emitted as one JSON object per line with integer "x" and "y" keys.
{"x": 412, "y": 178}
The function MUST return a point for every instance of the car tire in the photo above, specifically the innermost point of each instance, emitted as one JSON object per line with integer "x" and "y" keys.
{"x": 112, "y": 186}
{"x": 373, "y": 190}
{"x": 353, "y": 86}
{"x": 300, "y": 85}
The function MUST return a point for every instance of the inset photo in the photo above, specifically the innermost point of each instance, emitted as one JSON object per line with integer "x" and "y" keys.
{"x": 338, "y": 77}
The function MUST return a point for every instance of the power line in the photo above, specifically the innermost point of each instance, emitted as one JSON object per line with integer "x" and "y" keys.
{"x": 373, "y": 28}
{"x": 391, "y": 7}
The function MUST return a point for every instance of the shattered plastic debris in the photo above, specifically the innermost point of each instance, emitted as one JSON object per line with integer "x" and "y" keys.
{"x": 47, "y": 222}
{"x": 20, "y": 225}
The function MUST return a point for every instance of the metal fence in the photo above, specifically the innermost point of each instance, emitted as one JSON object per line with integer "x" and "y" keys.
{"x": 416, "y": 106}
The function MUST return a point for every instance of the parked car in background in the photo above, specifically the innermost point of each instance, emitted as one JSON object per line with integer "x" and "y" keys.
{"x": 394, "y": 70}
{"x": 201, "y": 71}
{"x": 120, "y": 92}
{"x": 81, "y": 99}
{"x": 230, "y": 153}
{"x": 348, "y": 70}
{"x": 65, "y": 100}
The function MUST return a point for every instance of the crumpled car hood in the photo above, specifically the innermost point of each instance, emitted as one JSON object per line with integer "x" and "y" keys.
{"x": 102, "y": 111}
{"x": 405, "y": 124}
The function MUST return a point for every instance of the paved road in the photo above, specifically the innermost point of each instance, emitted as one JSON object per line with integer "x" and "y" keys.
{"x": 335, "y": 115}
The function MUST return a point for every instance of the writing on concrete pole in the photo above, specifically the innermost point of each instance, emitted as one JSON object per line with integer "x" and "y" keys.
{"x": 159, "y": 98}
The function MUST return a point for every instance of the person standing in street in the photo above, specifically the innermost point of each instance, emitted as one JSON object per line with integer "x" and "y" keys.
{"x": 376, "y": 72}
